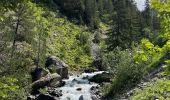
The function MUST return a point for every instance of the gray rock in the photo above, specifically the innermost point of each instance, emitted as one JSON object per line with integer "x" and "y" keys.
{"x": 44, "y": 81}
{"x": 79, "y": 89}
{"x": 45, "y": 97}
{"x": 54, "y": 64}
{"x": 37, "y": 73}
{"x": 94, "y": 97}
{"x": 81, "y": 97}
{"x": 100, "y": 78}
{"x": 55, "y": 93}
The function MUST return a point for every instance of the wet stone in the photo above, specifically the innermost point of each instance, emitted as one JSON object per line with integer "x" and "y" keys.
{"x": 79, "y": 89}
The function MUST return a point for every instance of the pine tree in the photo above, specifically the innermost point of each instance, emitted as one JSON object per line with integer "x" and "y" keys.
{"x": 106, "y": 15}
{"x": 147, "y": 14}
{"x": 91, "y": 13}
{"x": 125, "y": 25}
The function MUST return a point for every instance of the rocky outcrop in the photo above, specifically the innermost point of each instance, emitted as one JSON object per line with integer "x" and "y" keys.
{"x": 51, "y": 94}
{"x": 54, "y": 64}
{"x": 49, "y": 77}
{"x": 45, "y": 81}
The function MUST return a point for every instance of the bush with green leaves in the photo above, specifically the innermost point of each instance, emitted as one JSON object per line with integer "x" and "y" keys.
{"x": 6, "y": 86}
{"x": 10, "y": 90}
{"x": 159, "y": 90}
{"x": 126, "y": 72}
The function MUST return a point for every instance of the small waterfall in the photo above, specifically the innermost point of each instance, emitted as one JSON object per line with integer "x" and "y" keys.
{"x": 78, "y": 87}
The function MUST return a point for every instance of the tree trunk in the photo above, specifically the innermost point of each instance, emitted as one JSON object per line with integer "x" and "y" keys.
{"x": 15, "y": 34}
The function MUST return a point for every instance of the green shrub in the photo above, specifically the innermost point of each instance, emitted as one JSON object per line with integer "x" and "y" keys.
{"x": 166, "y": 69}
{"x": 110, "y": 60}
{"x": 10, "y": 90}
{"x": 7, "y": 86}
{"x": 159, "y": 90}
{"x": 126, "y": 72}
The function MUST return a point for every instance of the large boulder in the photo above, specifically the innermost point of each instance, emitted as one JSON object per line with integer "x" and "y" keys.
{"x": 54, "y": 64}
{"x": 37, "y": 73}
{"x": 45, "y": 81}
{"x": 100, "y": 78}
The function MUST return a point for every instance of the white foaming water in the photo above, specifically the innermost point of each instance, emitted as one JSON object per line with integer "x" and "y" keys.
{"x": 78, "y": 87}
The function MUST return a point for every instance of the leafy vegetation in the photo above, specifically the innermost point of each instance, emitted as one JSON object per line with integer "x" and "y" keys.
{"x": 142, "y": 59}
{"x": 132, "y": 43}
{"x": 7, "y": 86}
{"x": 29, "y": 34}
{"x": 71, "y": 43}
{"x": 156, "y": 90}
{"x": 126, "y": 73}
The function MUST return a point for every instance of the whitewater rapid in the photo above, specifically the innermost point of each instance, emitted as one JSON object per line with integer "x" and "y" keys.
{"x": 78, "y": 87}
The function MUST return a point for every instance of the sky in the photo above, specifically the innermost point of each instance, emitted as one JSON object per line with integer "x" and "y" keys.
{"x": 140, "y": 4}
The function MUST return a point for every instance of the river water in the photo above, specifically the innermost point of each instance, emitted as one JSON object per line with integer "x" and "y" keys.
{"x": 78, "y": 87}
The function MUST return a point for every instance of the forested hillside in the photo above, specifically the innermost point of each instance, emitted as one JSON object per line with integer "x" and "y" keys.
{"x": 44, "y": 41}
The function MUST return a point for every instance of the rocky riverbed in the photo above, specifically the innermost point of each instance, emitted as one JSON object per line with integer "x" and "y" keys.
{"x": 54, "y": 82}
{"x": 76, "y": 87}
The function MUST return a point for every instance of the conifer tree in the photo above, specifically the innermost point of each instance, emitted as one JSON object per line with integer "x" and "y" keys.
{"x": 125, "y": 25}
{"x": 147, "y": 14}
